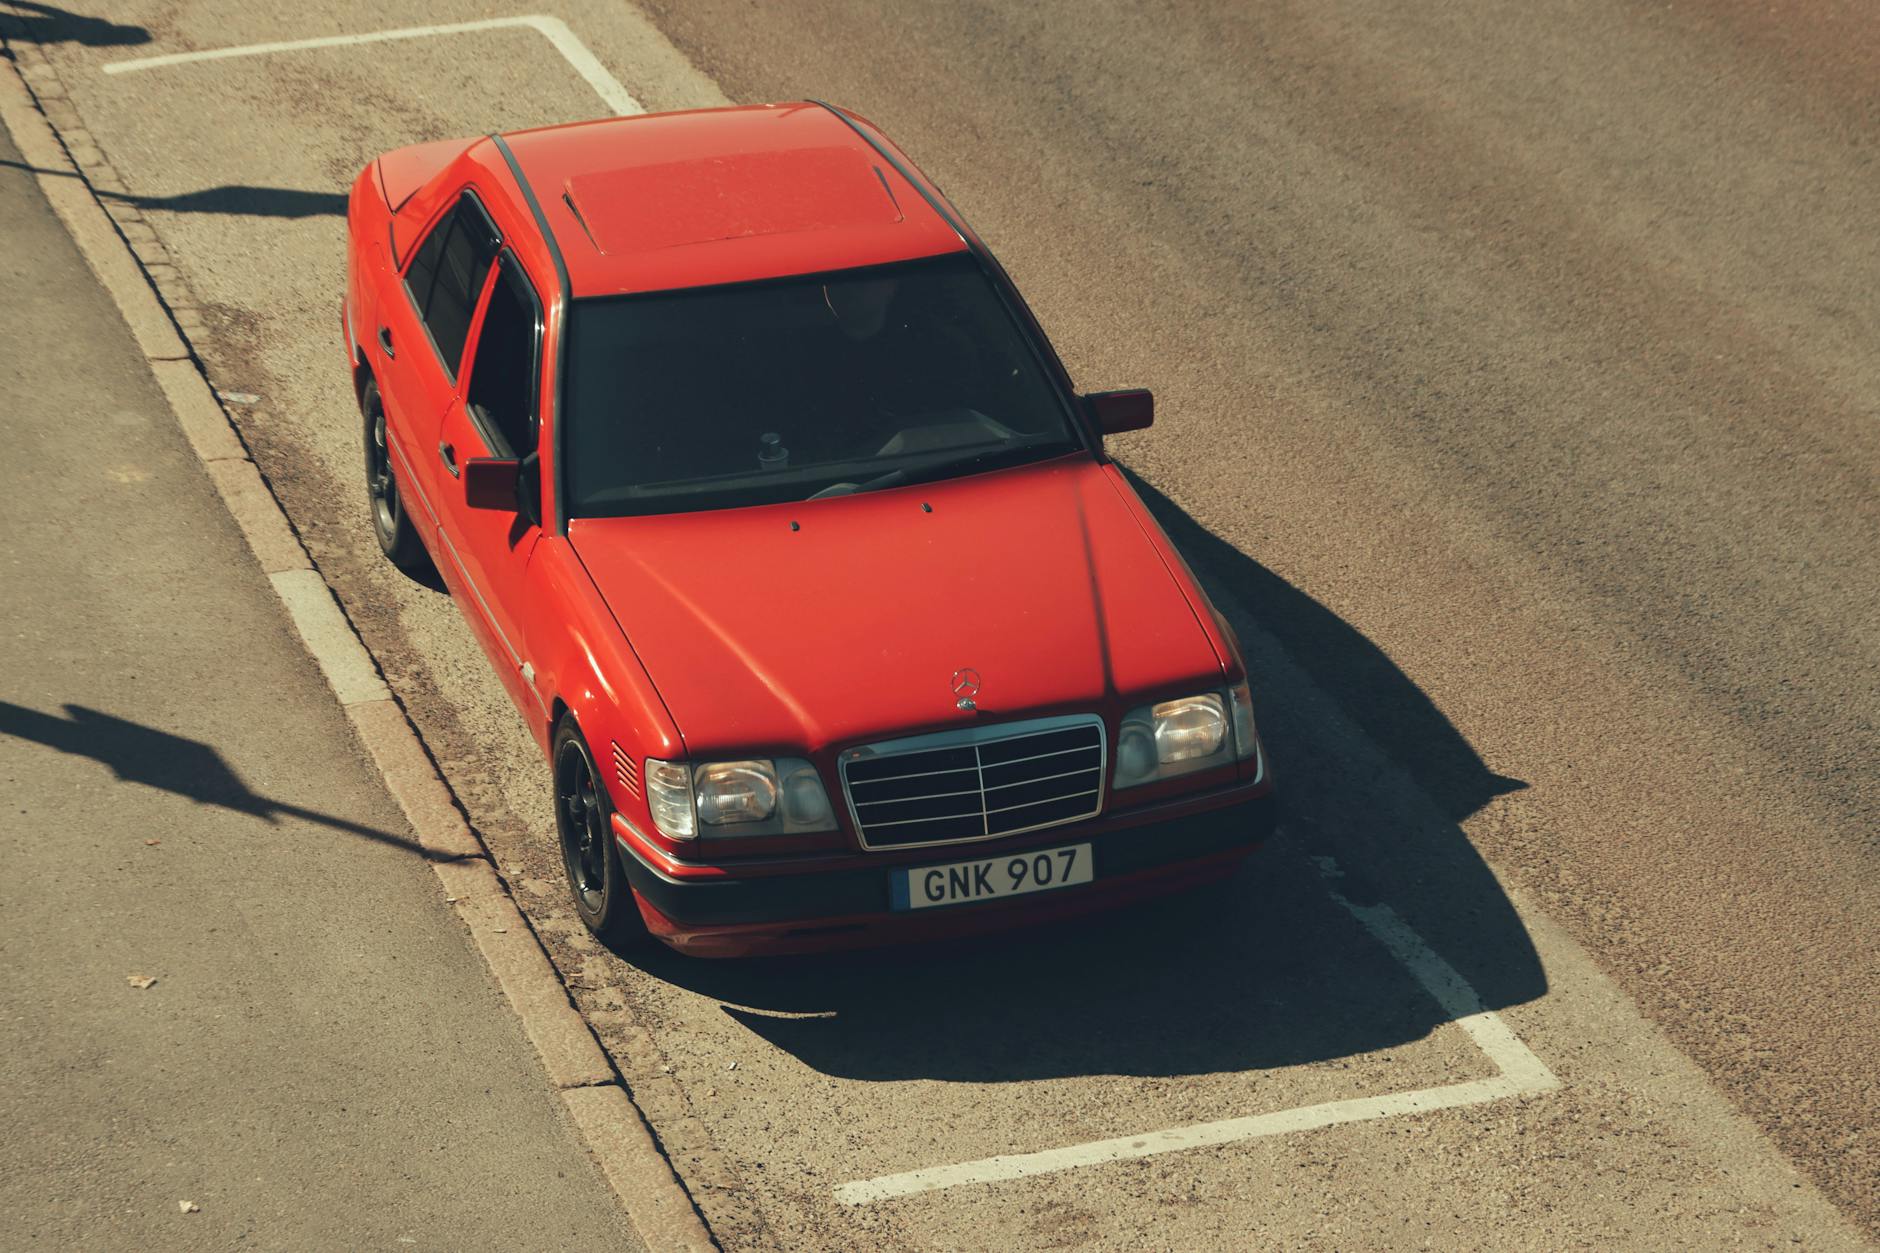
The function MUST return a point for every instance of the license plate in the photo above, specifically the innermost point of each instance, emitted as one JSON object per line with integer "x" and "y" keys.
{"x": 1015, "y": 874}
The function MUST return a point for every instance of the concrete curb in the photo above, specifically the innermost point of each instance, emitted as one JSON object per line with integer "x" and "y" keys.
{"x": 616, "y": 1132}
{"x": 624, "y": 1144}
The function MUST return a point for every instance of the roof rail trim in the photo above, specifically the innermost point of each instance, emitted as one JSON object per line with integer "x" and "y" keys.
{"x": 560, "y": 519}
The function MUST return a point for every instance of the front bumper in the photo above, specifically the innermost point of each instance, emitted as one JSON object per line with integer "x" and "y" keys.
{"x": 1134, "y": 855}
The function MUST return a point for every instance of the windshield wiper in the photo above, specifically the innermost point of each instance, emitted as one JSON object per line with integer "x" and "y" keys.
{"x": 972, "y": 463}
{"x": 986, "y": 459}
{"x": 890, "y": 479}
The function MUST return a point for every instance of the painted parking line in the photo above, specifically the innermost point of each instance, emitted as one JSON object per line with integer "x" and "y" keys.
{"x": 553, "y": 29}
{"x": 1520, "y": 1073}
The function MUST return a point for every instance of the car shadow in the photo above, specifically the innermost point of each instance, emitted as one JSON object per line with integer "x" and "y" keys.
{"x": 1268, "y": 969}
{"x": 1382, "y": 701}
{"x": 47, "y": 24}
{"x": 235, "y": 199}
{"x": 1264, "y": 971}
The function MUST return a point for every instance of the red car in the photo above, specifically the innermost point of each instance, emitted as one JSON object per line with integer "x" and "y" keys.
{"x": 782, "y": 524}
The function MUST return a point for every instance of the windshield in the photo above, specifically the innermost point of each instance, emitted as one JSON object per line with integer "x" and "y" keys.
{"x": 722, "y": 397}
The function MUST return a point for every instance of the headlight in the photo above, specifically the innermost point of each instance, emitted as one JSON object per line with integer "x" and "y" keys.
{"x": 1178, "y": 737}
{"x": 669, "y": 798}
{"x": 735, "y": 791}
{"x": 1190, "y": 729}
{"x": 737, "y": 798}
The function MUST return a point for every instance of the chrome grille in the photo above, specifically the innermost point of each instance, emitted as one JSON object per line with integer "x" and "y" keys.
{"x": 976, "y": 784}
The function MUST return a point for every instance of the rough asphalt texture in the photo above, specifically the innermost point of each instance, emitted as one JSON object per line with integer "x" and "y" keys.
{"x": 1516, "y": 396}
{"x": 1536, "y": 343}
{"x": 322, "y": 1060}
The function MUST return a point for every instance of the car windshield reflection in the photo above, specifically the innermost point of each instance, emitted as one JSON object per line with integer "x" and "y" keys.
{"x": 800, "y": 389}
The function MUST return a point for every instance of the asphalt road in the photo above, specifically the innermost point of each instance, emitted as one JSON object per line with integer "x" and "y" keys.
{"x": 1516, "y": 398}
{"x": 1539, "y": 345}
{"x": 322, "y": 1060}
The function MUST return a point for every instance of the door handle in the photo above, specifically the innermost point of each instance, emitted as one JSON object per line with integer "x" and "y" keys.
{"x": 385, "y": 341}
{"x": 449, "y": 456}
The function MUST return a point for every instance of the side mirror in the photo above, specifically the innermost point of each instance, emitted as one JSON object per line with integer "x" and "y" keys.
{"x": 1116, "y": 412}
{"x": 489, "y": 483}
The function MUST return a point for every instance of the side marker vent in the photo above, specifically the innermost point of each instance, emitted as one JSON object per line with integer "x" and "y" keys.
{"x": 625, "y": 771}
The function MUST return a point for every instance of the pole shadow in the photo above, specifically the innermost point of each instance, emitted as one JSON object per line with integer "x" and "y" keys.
{"x": 171, "y": 763}
{"x": 1266, "y": 970}
{"x": 233, "y": 199}
{"x": 243, "y": 200}
{"x": 48, "y": 24}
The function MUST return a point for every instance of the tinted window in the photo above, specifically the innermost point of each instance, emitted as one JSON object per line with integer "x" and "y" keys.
{"x": 768, "y": 392}
{"x": 423, "y": 270}
{"x": 503, "y": 373}
{"x": 447, "y": 274}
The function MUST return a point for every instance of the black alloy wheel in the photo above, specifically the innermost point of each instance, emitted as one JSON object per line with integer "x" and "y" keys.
{"x": 398, "y": 539}
{"x": 584, "y": 821}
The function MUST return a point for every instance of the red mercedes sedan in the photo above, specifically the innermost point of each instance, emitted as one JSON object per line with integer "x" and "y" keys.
{"x": 788, "y": 535}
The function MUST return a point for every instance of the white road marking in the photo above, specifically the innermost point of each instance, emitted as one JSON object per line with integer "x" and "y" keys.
{"x": 1516, "y": 1061}
{"x": 1522, "y": 1073}
{"x": 556, "y": 31}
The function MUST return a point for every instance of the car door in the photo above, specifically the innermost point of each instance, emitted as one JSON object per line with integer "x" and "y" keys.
{"x": 419, "y": 343}
{"x": 495, "y": 413}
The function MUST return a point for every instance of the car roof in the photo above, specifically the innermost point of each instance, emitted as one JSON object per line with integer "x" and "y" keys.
{"x": 669, "y": 200}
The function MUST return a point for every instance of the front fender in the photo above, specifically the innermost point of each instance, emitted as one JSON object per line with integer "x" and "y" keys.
{"x": 591, "y": 671}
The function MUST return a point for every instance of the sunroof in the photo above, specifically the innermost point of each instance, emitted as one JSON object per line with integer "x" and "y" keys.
{"x": 645, "y": 207}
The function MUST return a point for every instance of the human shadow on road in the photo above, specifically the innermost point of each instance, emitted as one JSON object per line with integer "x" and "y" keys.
{"x": 172, "y": 763}
{"x": 1267, "y": 970}
{"x": 234, "y": 199}
{"x": 47, "y": 24}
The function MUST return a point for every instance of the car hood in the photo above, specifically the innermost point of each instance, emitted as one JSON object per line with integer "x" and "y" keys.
{"x": 843, "y": 620}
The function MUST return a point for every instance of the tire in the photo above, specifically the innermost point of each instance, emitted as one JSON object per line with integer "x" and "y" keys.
{"x": 584, "y": 825}
{"x": 398, "y": 538}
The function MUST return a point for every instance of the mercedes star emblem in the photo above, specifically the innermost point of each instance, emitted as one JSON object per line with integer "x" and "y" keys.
{"x": 965, "y": 687}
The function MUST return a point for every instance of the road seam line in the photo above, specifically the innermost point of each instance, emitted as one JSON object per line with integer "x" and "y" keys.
{"x": 615, "y": 1130}
{"x": 1521, "y": 1073}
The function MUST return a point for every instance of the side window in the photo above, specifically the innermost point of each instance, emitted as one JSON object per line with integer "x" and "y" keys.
{"x": 504, "y": 375}
{"x": 423, "y": 271}
{"x": 447, "y": 273}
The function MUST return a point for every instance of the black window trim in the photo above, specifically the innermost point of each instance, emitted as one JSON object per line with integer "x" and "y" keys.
{"x": 556, "y": 519}
{"x": 493, "y": 438}
{"x": 1025, "y": 326}
{"x": 493, "y": 242}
